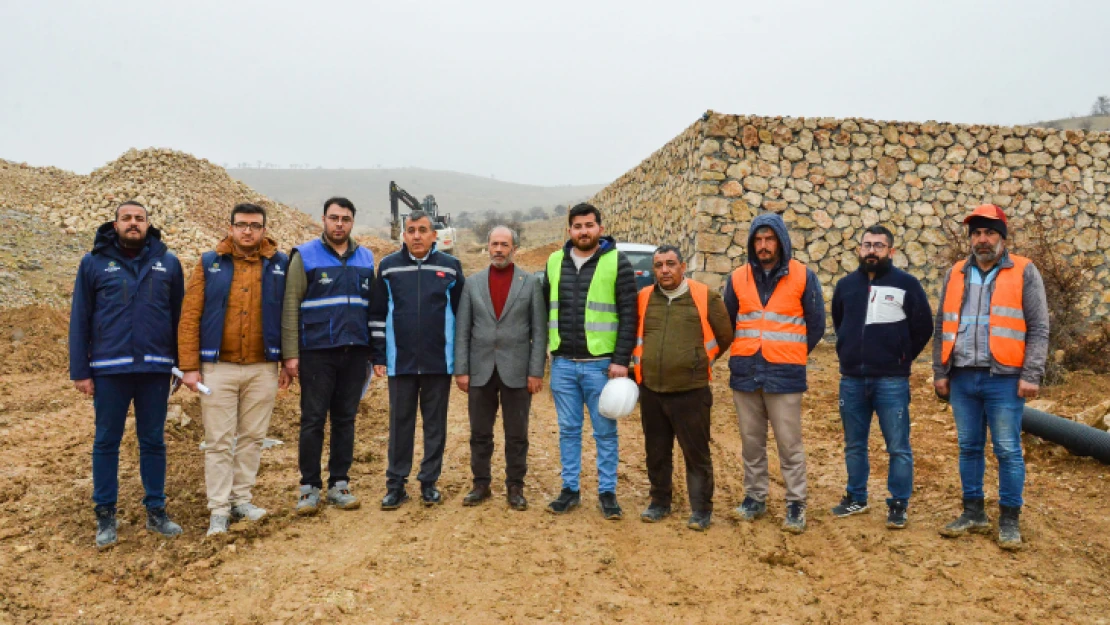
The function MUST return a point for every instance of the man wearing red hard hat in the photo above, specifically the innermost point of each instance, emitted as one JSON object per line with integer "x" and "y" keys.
{"x": 990, "y": 342}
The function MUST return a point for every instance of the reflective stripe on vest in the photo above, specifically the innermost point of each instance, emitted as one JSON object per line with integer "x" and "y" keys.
{"x": 777, "y": 330}
{"x": 336, "y": 302}
{"x": 1007, "y": 316}
{"x": 700, "y": 294}
{"x": 601, "y": 304}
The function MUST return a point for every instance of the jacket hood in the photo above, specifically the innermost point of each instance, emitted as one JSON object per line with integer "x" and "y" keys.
{"x": 106, "y": 238}
{"x": 774, "y": 222}
{"x": 267, "y": 249}
{"x": 606, "y": 244}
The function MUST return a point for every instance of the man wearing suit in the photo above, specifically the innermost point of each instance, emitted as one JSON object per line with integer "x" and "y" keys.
{"x": 500, "y": 351}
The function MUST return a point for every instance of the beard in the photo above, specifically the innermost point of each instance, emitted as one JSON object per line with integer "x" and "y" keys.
{"x": 872, "y": 263}
{"x": 585, "y": 244}
{"x": 334, "y": 241}
{"x": 987, "y": 253}
{"x": 131, "y": 243}
{"x": 501, "y": 262}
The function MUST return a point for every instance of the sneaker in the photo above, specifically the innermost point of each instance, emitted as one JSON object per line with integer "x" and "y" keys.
{"x": 896, "y": 516}
{"x": 309, "y": 503}
{"x": 610, "y": 509}
{"x": 699, "y": 521}
{"x": 795, "y": 522}
{"x": 394, "y": 498}
{"x": 158, "y": 521}
{"x": 849, "y": 506}
{"x": 106, "y": 527}
{"x": 655, "y": 513}
{"x": 751, "y": 509}
{"x": 247, "y": 511}
{"x": 1009, "y": 530}
{"x": 430, "y": 495}
{"x": 218, "y": 524}
{"x": 973, "y": 519}
{"x": 568, "y": 500}
{"x": 339, "y": 495}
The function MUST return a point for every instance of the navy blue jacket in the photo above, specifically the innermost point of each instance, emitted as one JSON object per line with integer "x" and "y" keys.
{"x": 882, "y": 324}
{"x": 412, "y": 312}
{"x": 217, "y": 288}
{"x": 751, "y": 373}
{"x": 125, "y": 311}
{"x": 336, "y": 304}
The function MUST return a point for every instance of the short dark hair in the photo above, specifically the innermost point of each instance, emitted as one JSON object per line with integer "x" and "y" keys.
{"x": 417, "y": 215}
{"x": 883, "y": 230}
{"x": 667, "y": 249}
{"x": 248, "y": 209}
{"x": 583, "y": 209}
{"x": 341, "y": 202}
{"x": 132, "y": 203}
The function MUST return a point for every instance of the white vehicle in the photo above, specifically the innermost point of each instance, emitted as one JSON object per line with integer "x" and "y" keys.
{"x": 445, "y": 237}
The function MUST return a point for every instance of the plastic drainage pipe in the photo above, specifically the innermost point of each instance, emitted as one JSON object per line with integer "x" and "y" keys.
{"x": 1078, "y": 438}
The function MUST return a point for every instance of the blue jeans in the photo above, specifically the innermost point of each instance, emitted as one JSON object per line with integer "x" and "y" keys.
{"x": 572, "y": 385}
{"x": 112, "y": 398}
{"x": 889, "y": 397}
{"x": 981, "y": 400}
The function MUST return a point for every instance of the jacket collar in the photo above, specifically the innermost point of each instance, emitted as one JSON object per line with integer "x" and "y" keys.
{"x": 407, "y": 254}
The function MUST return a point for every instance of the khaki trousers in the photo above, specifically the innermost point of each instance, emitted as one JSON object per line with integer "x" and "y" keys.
{"x": 784, "y": 412}
{"x": 236, "y": 417}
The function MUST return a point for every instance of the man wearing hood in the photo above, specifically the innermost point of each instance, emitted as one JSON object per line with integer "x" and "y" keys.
{"x": 412, "y": 323}
{"x": 591, "y": 292}
{"x": 779, "y": 313}
{"x": 230, "y": 340}
{"x": 122, "y": 346}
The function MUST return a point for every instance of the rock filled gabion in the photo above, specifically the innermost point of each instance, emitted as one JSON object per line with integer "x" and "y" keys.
{"x": 830, "y": 178}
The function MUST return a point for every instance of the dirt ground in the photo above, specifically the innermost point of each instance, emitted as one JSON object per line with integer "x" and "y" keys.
{"x": 486, "y": 564}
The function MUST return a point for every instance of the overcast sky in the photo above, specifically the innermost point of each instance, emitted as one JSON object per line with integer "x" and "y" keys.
{"x": 544, "y": 93}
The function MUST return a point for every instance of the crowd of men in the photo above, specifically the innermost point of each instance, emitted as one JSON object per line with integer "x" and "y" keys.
{"x": 253, "y": 320}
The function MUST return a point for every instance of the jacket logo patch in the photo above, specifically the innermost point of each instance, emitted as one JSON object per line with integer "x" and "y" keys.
{"x": 215, "y": 268}
{"x": 440, "y": 274}
{"x": 278, "y": 271}
{"x": 324, "y": 279}
{"x": 366, "y": 284}
{"x": 111, "y": 266}
{"x": 158, "y": 267}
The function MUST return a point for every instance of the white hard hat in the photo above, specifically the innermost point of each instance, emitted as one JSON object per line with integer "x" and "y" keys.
{"x": 618, "y": 398}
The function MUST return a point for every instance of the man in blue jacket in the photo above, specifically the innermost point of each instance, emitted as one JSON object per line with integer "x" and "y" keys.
{"x": 412, "y": 323}
{"x": 122, "y": 346}
{"x": 779, "y": 312}
{"x": 883, "y": 320}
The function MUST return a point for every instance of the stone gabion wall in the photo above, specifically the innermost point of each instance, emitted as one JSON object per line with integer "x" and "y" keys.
{"x": 829, "y": 178}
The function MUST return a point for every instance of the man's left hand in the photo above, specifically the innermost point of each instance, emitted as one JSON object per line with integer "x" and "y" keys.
{"x": 617, "y": 371}
{"x": 284, "y": 379}
{"x": 1028, "y": 390}
{"x": 535, "y": 385}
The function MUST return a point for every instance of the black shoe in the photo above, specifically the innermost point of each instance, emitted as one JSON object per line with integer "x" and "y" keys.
{"x": 655, "y": 513}
{"x": 516, "y": 497}
{"x": 699, "y": 521}
{"x": 896, "y": 516}
{"x": 1009, "y": 530}
{"x": 610, "y": 509}
{"x": 974, "y": 519}
{"x": 430, "y": 495}
{"x": 477, "y": 495}
{"x": 394, "y": 498}
{"x": 106, "y": 526}
{"x": 849, "y": 506}
{"x": 158, "y": 521}
{"x": 568, "y": 500}
{"x": 795, "y": 522}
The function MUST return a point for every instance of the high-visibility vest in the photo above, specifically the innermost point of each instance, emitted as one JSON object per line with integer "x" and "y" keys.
{"x": 700, "y": 293}
{"x": 777, "y": 330}
{"x": 601, "y": 304}
{"x": 1007, "y": 317}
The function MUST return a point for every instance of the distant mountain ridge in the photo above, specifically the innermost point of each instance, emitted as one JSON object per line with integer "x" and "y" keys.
{"x": 1091, "y": 122}
{"x": 455, "y": 192}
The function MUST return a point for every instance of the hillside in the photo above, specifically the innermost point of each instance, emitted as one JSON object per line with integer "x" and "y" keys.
{"x": 1101, "y": 122}
{"x": 369, "y": 190}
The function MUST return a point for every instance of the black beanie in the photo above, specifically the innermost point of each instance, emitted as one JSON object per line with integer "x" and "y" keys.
{"x": 977, "y": 221}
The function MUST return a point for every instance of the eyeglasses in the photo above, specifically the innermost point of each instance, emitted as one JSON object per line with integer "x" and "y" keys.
{"x": 242, "y": 226}
{"x": 878, "y": 247}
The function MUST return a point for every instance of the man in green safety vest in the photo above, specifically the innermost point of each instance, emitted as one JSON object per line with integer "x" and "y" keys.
{"x": 590, "y": 288}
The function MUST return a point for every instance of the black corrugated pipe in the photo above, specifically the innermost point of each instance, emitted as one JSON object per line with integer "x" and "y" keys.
{"x": 1078, "y": 438}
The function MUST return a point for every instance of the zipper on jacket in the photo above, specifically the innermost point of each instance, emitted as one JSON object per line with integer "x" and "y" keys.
{"x": 863, "y": 329}
{"x": 419, "y": 296}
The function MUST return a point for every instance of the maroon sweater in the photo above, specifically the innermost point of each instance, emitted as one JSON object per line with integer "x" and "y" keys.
{"x": 500, "y": 281}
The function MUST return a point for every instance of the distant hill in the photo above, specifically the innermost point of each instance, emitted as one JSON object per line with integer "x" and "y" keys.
{"x": 306, "y": 189}
{"x": 1102, "y": 122}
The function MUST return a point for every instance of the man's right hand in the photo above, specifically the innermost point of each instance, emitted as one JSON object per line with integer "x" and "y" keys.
{"x": 190, "y": 379}
{"x": 292, "y": 367}
{"x": 380, "y": 371}
{"x": 85, "y": 386}
{"x": 463, "y": 382}
{"x": 943, "y": 388}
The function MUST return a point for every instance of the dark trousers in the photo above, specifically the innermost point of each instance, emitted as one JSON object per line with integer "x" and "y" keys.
{"x": 405, "y": 391}
{"x": 331, "y": 381}
{"x": 515, "y": 404}
{"x": 111, "y": 400}
{"x": 685, "y": 416}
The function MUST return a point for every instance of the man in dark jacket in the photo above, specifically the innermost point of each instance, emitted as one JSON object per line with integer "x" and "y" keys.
{"x": 590, "y": 288}
{"x": 779, "y": 313}
{"x": 883, "y": 321}
{"x": 122, "y": 346}
{"x": 683, "y": 328}
{"x": 412, "y": 322}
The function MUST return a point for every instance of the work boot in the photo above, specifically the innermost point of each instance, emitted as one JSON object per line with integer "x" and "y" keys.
{"x": 516, "y": 497}
{"x": 655, "y": 513}
{"x": 568, "y": 500}
{"x": 610, "y": 509}
{"x": 340, "y": 496}
{"x": 394, "y": 498}
{"x": 106, "y": 526}
{"x": 430, "y": 495}
{"x": 699, "y": 521}
{"x": 247, "y": 511}
{"x": 477, "y": 495}
{"x": 751, "y": 509}
{"x": 218, "y": 524}
{"x": 158, "y": 521}
{"x": 1009, "y": 534}
{"x": 896, "y": 515}
{"x": 795, "y": 522}
{"x": 309, "y": 503}
{"x": 974, "y": 519}
{"x": 848, "y": 507}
